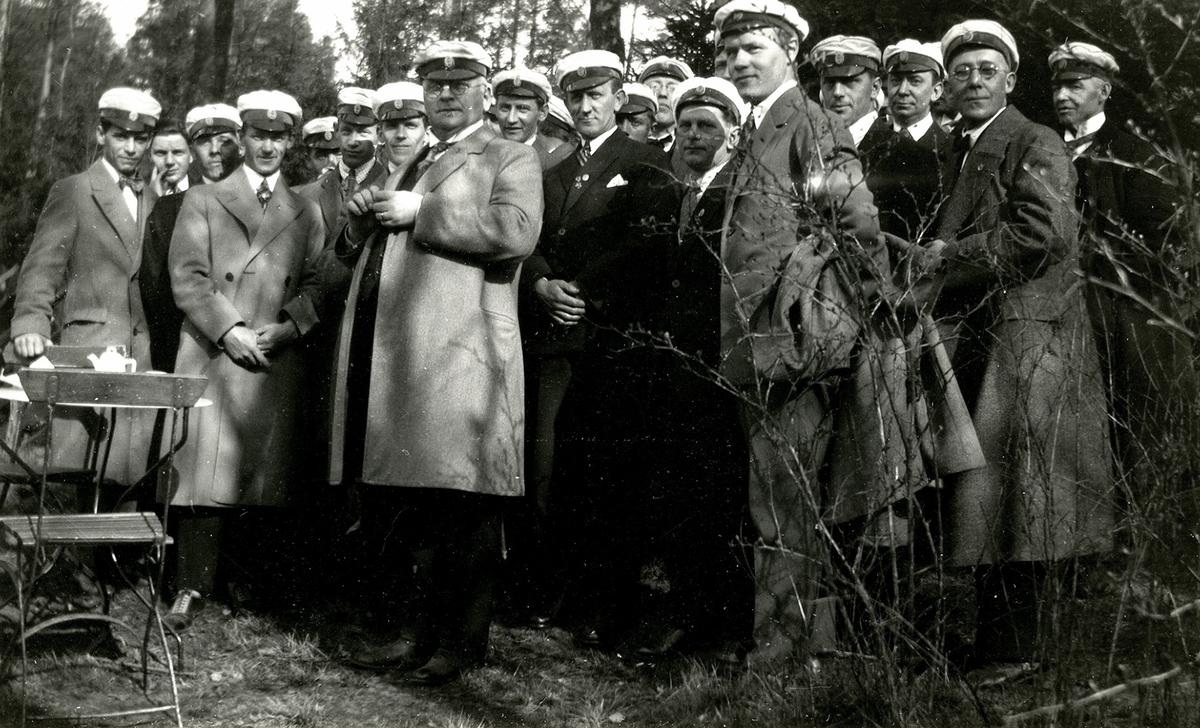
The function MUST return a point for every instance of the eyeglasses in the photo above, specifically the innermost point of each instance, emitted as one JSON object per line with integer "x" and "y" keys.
{"x": 457, "y": 88}
{"x": 987, "y": 72}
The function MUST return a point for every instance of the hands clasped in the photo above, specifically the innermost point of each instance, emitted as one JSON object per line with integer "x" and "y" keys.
{"x": 373, "y": 207}
{"x": 250, "y": 348}
{"x": 562, "y": 299}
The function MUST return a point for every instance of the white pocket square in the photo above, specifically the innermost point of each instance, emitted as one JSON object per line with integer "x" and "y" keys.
{"x": 617, "y": 181}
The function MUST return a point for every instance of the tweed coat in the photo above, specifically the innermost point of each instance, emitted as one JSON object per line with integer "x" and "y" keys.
{"x": 446, "y": 395}
{"x": 234, "y": 263}
{"x": 78, "y": 285}
{"x": 1022, "y": 350}
{"x": 797, "y": 184}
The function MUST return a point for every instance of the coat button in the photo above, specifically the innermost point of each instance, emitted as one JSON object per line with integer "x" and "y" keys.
{"x": 675, "y": 283}
{"x": 229, "y": 277}
{"x": 562, "y": 232}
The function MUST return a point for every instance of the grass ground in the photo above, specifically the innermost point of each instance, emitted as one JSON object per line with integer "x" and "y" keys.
{"x": 282, "y": 669}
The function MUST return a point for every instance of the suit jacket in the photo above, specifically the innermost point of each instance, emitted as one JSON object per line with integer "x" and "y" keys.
{"x": 545, "y": 147}
{"x": 608, "y": 226}
{"x": 446, "y": 396}
{"x": 1023, "y": 354}
{"x": 163, "y": 317}
{"x": 326, "y": 191}
{"x": 232, "y": 262}
{"x": 78, "y": 285}
{"x": 797, "y": 198}
{"x": 905, "y": 178}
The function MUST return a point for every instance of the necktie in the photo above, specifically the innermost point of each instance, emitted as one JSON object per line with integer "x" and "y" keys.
{"x": 583, "y": 151}
{"x": 1077, "y": 144}
{"x": 440, "y": 148}
{"x": 349, "y": 186}
{"x": 906, "y": 134}
{"x": 690, "y": 199}
{"x": 962, "y": 145}
{"x": 264, "y": 194}
{"x": 132, "y": 183}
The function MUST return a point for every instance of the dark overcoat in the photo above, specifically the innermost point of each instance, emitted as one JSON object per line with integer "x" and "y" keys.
{"x": 446, "y": 384}
{"x": 78, "y": 285}
{"x": 232, "y": 262}
{"x": 1022, "y": 350}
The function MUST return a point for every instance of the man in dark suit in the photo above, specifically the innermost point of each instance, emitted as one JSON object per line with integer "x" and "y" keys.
{"x": 1007, "y": 267}
{"x": 849, "y": 69}
{"x": 1126, "y": 244}
{"x": 797, "y": 201}
{"x": 429, "y": 364}
{"x": 605, "y": 235}
{"x": 211, "y": 129}
{"x": 78, "y": 283}
{"x": 403, "y": 123}
{"x": 321, "y": 148}
{"x": 636, "y": 116}
{"x": 172, "y": 158}
{"x": 662, "y": 75}
{"x": 904, "y": 160}
{"x": 522, "y": 96}
{"x": 695, "y": 493}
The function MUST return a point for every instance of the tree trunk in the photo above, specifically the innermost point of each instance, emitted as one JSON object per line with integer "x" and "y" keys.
{"x": 604, "y": 24}
{"x": 47, "y": 72}
{"x": 73, "y": 10}
{"x": 222, "y": 36}
{"x": 203, "y": 76}
{"x": 4, "y": 5}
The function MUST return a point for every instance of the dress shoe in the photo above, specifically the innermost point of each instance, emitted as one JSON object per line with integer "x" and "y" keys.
{"x": 400, "y": 653}
{"x": 442, "y": 668}
{"x": 659, "y": 643}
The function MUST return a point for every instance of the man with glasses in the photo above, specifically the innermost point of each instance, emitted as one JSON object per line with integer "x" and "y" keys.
{"x": 429, "y": 403}
{"x": 1004, "y": 272}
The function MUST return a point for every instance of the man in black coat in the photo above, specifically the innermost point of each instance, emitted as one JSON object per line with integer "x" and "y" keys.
{"x": 212, "y": 132}
{"x": 1127, "y": 212}
{"x": 606, "y": 231}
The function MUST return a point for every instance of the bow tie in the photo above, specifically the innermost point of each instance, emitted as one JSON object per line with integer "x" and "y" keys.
{"x": 132, "y": 183}
{"x": 1078, "y": 142}
{"x": 440, "y": 148}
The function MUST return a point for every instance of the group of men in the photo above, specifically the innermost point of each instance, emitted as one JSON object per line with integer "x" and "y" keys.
{"x": 721, "y": 298}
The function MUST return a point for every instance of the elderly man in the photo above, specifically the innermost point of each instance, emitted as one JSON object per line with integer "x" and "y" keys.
{"x": 78, "y": 282}
{"x": 1005, "y": 271}
{"x": 661, "y": 75}
{"x": 322, "y": 150}
{"x": 213, "y": 130}
{"x": 636, "y": 116}
{"x": 429, "y": 395}
{"x": 797, "y": 196}
{"x": 242, "y": 263}
{"x": 849, "y": 69}
{"x": 1127, "y": 212}
{"x": 522, "y": 98}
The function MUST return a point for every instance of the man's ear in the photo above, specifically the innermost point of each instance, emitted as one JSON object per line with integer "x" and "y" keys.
{"x": 100, "y": 134}
{"x": 1010, "y": 82}
{"x": 938, "y": 88}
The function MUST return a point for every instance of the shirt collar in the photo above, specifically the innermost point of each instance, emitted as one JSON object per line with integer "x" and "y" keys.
{"x": 859, "y": 129}
{"x": 595, "y": 144}
{"x": 464, "y": 133}
{"x": 256, "y": 179}
{"x": 917, "y": 130}
{"x": 532, "y": 138}
{"x": 360, "y": 174}
{"x": 112, "y": 171}
{"x": 759, "y": 111}
{"x": 974, "y": 134}
{"x": 1091, "y": 126}
{"x": 706, "y": 179}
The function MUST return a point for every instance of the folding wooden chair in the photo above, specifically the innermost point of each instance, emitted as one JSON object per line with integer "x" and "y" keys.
{"x": 34, "y": 533}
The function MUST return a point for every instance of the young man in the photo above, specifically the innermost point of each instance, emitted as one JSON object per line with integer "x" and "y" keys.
{"x": 243, "y": 270}
{"x": 172, "y": 160}
{"x": 522, "y": 96}
{"x": 78, "y": 283}
{"x": 797, "y": 186}
{"x": 1004, "y": 272}
{"x": 849, "y": 69}
{"x": 213, "y": 130}
{"x": 636, "y": 116}
{"x": 428, "y": 418}
{"x": 400, "y": 108}
{"x": 661, "y": 75}
{"x": 321, "y": 145}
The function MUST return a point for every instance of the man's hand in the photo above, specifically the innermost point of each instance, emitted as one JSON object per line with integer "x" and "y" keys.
{"x": 30, "y": 346}
{"x": 362, "y": 223}
{"x": 561, "y": 299}
{"x": 273, "y": 338}
{"x": 396, "y": 209}
{"x": 241, "y": 344}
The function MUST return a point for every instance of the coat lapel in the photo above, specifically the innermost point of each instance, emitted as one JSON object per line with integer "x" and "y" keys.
{"x": 283, "y": 207}
{"x": 331, "y": 198}
{"x": 983, "y": 161}
{"x": 112, "y": 203}
{"x": 456, "y": 157}
{"x": 597, "y": 165}
{"x": 241, "y": 202}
